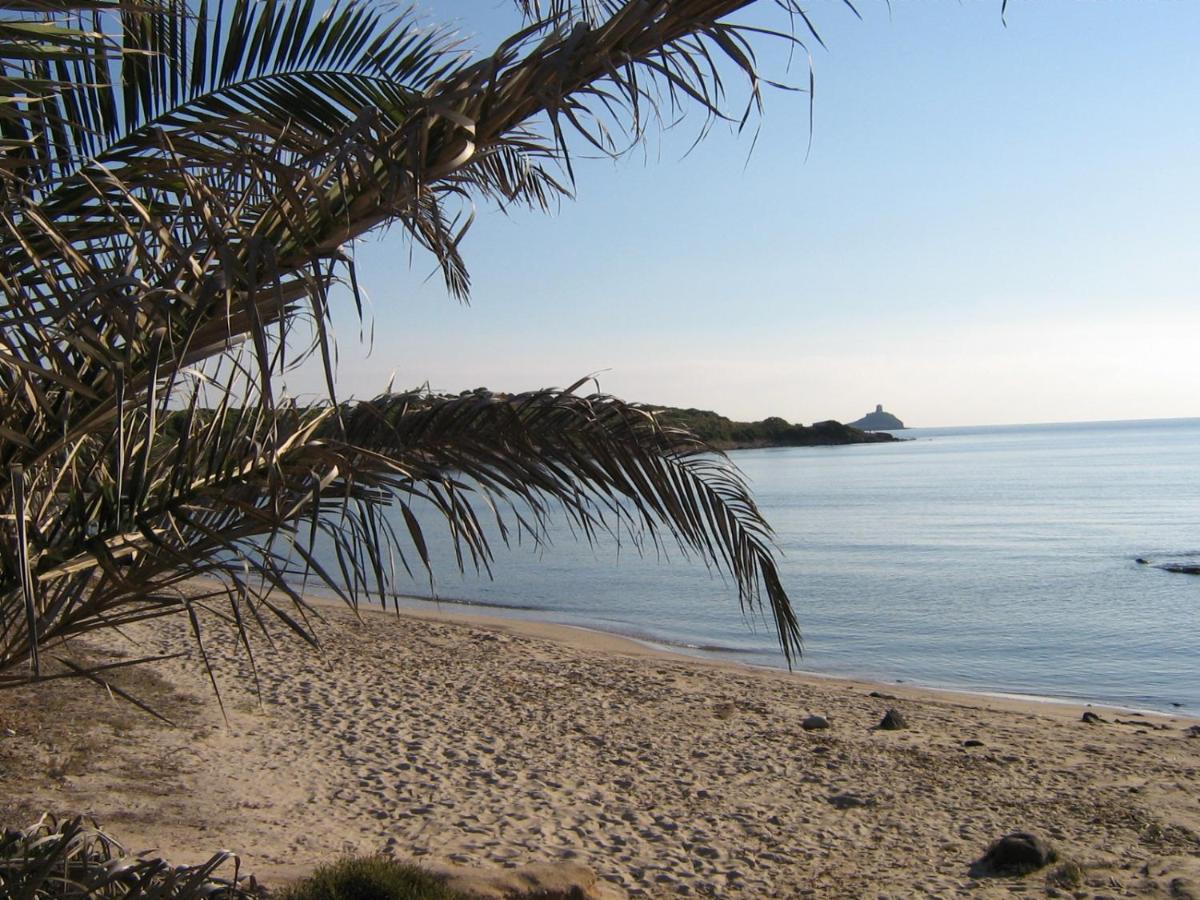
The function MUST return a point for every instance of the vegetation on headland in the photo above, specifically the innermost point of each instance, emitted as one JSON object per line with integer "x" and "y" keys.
{"x": 726, "y": 434}
{"x": 714, "y": 430}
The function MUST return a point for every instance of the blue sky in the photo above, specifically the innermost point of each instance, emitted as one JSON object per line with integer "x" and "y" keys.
{"x": 994, "y": 224}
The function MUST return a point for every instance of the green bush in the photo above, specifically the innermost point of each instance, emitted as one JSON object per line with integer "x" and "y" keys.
{"x": 370, "y": 878}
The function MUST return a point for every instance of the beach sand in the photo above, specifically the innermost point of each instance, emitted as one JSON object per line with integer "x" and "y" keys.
{"x": 457, "y": 739}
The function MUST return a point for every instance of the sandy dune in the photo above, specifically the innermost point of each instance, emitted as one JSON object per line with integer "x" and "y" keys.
{"x": 503, "y": 743}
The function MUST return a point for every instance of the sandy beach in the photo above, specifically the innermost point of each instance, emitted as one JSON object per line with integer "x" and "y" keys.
{"x": 456, "y": 739}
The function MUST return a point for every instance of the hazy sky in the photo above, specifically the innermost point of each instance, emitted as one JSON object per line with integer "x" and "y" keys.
{"x": 995, "y": 224}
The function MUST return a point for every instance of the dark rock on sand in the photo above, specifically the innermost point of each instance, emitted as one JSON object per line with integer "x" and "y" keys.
{"x": 849, "y": 801}
{"x": 972, "y": 742}
{"x": 1193, "y": 732}
{"x": 814, "y": 723}
{"x": 1016, "y": 854}
{"x": 879, "y": 695}
{"x": 1184, "y": 889}
{"x": 1142, "y": 724}
{"x": 1092, "y": 719}
{"x": 893, "y": 721}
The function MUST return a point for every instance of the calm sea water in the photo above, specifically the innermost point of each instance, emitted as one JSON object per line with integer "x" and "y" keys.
{"x": 992, "y": 558}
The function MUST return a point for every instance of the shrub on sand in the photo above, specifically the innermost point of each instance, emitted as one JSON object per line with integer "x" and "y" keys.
{"x": 370, "y": 878}
{"x": 1067, "y": 876}
{"x": 74, "y": 860}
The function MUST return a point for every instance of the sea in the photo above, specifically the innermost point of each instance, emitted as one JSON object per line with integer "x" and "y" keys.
{"x": 996, "y": 559}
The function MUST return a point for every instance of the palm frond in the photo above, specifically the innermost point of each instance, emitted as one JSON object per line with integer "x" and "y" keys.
{"x": 239, "y": 497}
{"x": 606, "y": 465}
{"x": 180, "y": 182}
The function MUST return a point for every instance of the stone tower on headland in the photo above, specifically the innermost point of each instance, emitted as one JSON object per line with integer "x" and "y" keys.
{"x": 878, "y": 421}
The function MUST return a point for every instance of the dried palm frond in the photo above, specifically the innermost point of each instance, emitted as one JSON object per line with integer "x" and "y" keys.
{"x": 180, "y": 182}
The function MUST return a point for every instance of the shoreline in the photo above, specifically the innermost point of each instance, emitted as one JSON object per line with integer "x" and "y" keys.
{"x": 480, "y": 614}
{"x": 456, "y": 739}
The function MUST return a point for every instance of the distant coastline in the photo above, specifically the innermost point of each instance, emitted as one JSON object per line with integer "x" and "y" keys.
{"x": 1056, "y": 424}
{"x": 726, "y": 434}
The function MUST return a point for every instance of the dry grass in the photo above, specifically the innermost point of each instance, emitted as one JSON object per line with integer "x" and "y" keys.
{"x": 1068, "y": 876}
{"x": 54, "y": 732}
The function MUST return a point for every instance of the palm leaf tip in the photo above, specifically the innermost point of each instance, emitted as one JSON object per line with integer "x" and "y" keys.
{"x": 609, "y": 466}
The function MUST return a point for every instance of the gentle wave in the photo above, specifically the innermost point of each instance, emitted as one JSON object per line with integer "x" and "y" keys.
{"x": 723, "y": 649}
{"x": 615, "y": 629}
{"x": 463, "y": 601}
{"x": 547, "y": 614}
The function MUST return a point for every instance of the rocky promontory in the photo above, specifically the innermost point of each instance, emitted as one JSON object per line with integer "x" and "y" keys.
{"x": 726, "y": 434}
{"x": 878, "y": 421}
